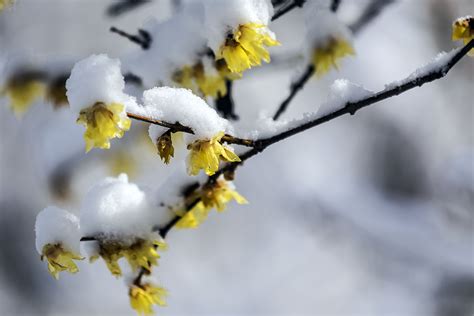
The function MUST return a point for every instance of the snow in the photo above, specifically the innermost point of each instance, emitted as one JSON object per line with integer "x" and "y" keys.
{"x": 224, "y": 16}
{"x": 116, "y": 209}
{"x": 181, "y": 105}
{"x": 439, "y": 63}
{"x": 342, "y": 92}
{"x": 57, "y": 226}
{"x": 96, "y": 79}
{"x": 167, "y": 54}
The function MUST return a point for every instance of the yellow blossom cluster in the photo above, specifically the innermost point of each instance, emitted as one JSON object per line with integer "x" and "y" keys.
{"x": 23, "y": 91}
{"x": 330, "y": 53}
{"x": 202, "y": 82}
{"x": 103, "y": 122}
{"x": 246, "y": 47}
{"x": 213, "y": 195}
{"x": 143, "y": 297}
{"x": 140, "y": 254}
{"x": 206, "y": 155}
{"x": 59, "y": 259}
{"x": 463, "y": 29}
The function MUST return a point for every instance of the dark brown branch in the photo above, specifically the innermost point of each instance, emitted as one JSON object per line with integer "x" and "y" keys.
{"x": 349, "y": 108}
{"x": 370, "y": 13}
{"x": 143, "y": 39}
{"x": 225, "y": 104}
{"x": 123, "y": 6}
{"x": 335, "y": 5}
{"x": 176, "y": 127}
{"x": 353, "y": 107}
{"x": 288, "y": 8}
{"x": 295, "y": 87}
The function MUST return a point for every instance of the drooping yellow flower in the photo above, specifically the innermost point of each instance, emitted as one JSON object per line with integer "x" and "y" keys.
{"x": 220, "y": 193}
{"x": 329, "y": 54}
{"x": 245, "y": 48}
{"x": 206, "y": 155}
{"x": 22, "y": 93}
{"x": 142, "y": 298}
{"x": 194, "y": 217}
{"x": 103, "y": 122}
{"x": 164, "y": 144}
{"x": 59, "y": 259}
{"x": 214, "y": 195}
{"x": 463, "y": 29}
{"x": 140, "y": 254}
{"x": 212, "y": 85}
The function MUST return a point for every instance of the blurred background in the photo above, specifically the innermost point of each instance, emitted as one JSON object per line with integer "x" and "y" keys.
{"x": 369, "y": 214}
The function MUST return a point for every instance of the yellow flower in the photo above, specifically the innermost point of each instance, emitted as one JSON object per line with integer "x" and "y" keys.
{"x": 103, "y": 122}
{"x": 59, "y": 259}
{"x": 206, "y": 154}
{"x": 463, "y": 29}
{"x": 245, "y": 48}
{"x": 143, "y": 297}
{"x": 5, "y": 3}
{"x": 329, "y": 54}
{"x": 22, "y": 93}
{"x": 215, "y": 195}
{"x": 225, "y": 72}
{"x": 165, "y": 147}
{"x": 209, "y": 85}
{"x": 194, "y": 217}
{"x": 141, "y": 254}
{"x": 185, "y": 78}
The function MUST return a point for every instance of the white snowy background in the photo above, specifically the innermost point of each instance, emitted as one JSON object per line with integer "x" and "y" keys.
{"x": 367, "y": 215}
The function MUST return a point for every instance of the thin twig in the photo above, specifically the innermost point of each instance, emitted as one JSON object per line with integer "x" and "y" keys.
{"x": 353, "y": 107}
{"x": 143, "y": 39}
{"x": 370, "y": 13}
{"x": 349, "y": 108}
{"x": 123, "y": 6}
{"x": 283, "y": 11}
{"x": 335, "y": 5}
{"x": 295, "y": 87}
{"x": 177, "y": 127}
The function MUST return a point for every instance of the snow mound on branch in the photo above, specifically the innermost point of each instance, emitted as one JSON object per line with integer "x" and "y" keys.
{"x": 57, "y": 226}
{"x": 116, "y": 209}
{"x": 438, "y": 63}
{"x": 222, "y": 17}
{"x": 181, "y": 105}
{"x": 342, "y": 92}
{"x": 96, "y": 79}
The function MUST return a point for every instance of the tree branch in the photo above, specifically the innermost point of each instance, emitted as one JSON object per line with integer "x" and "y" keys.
{"x": 370, "y": 13}
{"x": 288, "y": 8}
{"x": 177, "y": 127}
{"x": 143, "y": 39}
{"x": 123, "y": 6}
{"x": 295, "y": 87}
{"x": 349, "y": 108}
